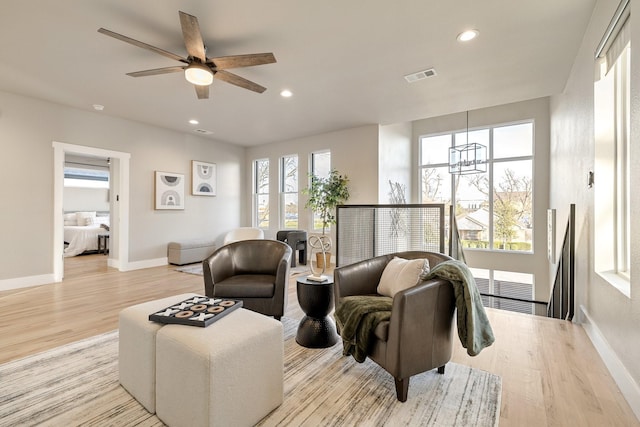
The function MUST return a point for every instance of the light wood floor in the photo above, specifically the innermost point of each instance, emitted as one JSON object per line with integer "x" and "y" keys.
{"x": 552, "y": 375}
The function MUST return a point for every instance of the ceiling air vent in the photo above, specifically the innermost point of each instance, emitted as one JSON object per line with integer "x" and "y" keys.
{"x": 203, "y": 131}
{"x": 420, "y": 75}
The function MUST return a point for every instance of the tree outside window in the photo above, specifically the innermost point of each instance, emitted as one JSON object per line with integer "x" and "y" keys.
{"x": 261, "y": 193}
{"x": 289, "y": 191}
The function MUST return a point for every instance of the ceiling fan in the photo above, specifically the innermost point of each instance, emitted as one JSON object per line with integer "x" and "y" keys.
{"x": 199, "y": 69}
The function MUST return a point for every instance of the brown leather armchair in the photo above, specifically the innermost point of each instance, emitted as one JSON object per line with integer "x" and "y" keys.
{"x": 254, "y": 271}
{"x": 419, "y": 335}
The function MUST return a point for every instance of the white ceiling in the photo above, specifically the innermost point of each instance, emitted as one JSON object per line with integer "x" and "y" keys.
{"x": 343, "y": 60}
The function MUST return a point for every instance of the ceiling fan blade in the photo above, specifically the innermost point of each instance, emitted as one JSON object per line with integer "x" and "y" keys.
{"x": 237, "y": 61}
{"x": 234, "y": 79}
{"x": 202, "y": 91}
{"x": 192, "y": 36}
{"x": 142, "y": 45}
{"x": 156, "y": 71}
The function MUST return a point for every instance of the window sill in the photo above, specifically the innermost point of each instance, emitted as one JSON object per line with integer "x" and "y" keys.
{"x": 499, "y": 251}
{"x": 619, "y": 282}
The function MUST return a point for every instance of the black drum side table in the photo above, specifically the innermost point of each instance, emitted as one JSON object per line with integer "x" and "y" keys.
{"x": 316, "y": 329}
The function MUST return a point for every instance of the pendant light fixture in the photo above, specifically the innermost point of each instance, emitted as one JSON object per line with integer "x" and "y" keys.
{"x": 468, "y": 158}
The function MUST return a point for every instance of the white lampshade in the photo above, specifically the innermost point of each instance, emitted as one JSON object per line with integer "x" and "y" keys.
{"x": 198, "y": 74}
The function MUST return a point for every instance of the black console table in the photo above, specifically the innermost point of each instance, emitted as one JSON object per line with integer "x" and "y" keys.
{"x": 316, "y": 329}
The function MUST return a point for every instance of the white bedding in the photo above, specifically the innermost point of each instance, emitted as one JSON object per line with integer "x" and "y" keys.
{"x": 81, "y": 238}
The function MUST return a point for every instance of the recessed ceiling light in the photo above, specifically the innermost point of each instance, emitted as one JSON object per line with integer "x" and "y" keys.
{"x": 98, "y": 107}
{"x": 465, "y": 36}
{"x": 286, "y": 93}
{"x": 194, "y": 122}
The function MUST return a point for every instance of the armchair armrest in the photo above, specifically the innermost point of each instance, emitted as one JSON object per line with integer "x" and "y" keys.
{"x": 216, "y": 268}
{"x": 420, "y": 328}
{"x": 282, "y": 280}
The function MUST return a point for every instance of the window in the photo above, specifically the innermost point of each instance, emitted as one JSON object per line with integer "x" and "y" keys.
{"x": 289, "y": 191}
{"x": 86, "y": 178}
{"x": 494, "y": 209}
{"x": 515, "y": 286}
{"x": 261, "y": 193}
{"x": 320, "y": 167}
{"x": 321, "y": 164}
{"x": 612, "y": 170}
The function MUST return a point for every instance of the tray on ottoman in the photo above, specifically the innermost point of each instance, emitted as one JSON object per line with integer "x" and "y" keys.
{"x": 196, "y": 311}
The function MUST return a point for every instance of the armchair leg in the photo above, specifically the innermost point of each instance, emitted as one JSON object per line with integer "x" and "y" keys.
{"x": 402, "y": 388}
{"x": 441, "y": 369}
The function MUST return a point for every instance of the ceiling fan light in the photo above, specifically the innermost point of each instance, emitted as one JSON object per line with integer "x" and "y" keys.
{"x": 198, "y": 74}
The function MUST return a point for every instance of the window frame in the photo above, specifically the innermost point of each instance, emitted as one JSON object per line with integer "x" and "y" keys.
{"x": 257, "y": 194}
{"x": 612, "y": 120}
{"x": 315, "y": 218}
{"x": 284, "y": 193}
{"x": 454, "y": 136}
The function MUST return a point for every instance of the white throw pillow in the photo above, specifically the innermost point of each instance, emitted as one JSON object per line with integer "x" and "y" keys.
{"x": 401, "y": 274}
{"x": 85, "y": 218}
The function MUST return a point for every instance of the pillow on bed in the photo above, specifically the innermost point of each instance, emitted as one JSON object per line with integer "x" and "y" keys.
{"x": 401, "y": 274}
{"x": 70, "y": 219}
{"x": 85, "y": 218}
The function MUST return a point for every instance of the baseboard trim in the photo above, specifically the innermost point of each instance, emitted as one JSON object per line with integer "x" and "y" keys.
{"x": 147, "y": 263}
{"x": 46, "y": 279}
{"x": 26, "y": 282}
{"x": 628, "y": 387}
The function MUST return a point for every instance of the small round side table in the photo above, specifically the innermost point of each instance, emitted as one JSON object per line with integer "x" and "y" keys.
{"x": 316, "y": 329}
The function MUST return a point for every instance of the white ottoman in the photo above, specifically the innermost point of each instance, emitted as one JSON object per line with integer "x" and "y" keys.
{"x": 230, "y": 373}
{"x": 137, "y": 349}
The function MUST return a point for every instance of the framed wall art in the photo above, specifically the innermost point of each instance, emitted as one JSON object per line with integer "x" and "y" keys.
{"x": 169, "y": 190}
{"x": 203, "y": 178}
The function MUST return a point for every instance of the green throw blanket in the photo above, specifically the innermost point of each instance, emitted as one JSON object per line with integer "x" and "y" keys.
{"x": 474, "y": 330}
{"x": 357, "y": 317}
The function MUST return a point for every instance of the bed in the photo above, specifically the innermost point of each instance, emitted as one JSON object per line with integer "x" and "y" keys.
{"x": 81, "y": 230}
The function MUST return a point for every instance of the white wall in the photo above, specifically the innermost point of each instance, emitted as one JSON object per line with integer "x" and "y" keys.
{"x": 27, "y": 129}
{"x": 395, "y": 161}
{"x": 538, "y": 110}
{"x": 354, "y": 152}
{"x": 610, "y": 317}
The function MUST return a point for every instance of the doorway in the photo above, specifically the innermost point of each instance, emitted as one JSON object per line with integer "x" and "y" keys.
{"x": 118, "y": 204}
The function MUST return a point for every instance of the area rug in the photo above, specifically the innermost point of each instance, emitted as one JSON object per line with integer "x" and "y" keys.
{"x": 77, "y": 385}
{"x": 197, "y": 269}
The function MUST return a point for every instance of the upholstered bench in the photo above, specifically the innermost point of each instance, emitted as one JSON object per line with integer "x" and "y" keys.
{"x": 229, "y": 373}
{"x": 137, "y": 349}
{"x": 189, "y": 251}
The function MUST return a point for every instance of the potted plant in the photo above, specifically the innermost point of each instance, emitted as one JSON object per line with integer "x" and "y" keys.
{"x": 324, "y": 195}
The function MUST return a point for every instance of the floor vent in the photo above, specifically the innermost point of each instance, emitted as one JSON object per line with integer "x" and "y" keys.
{"x": 420, "y": 75}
